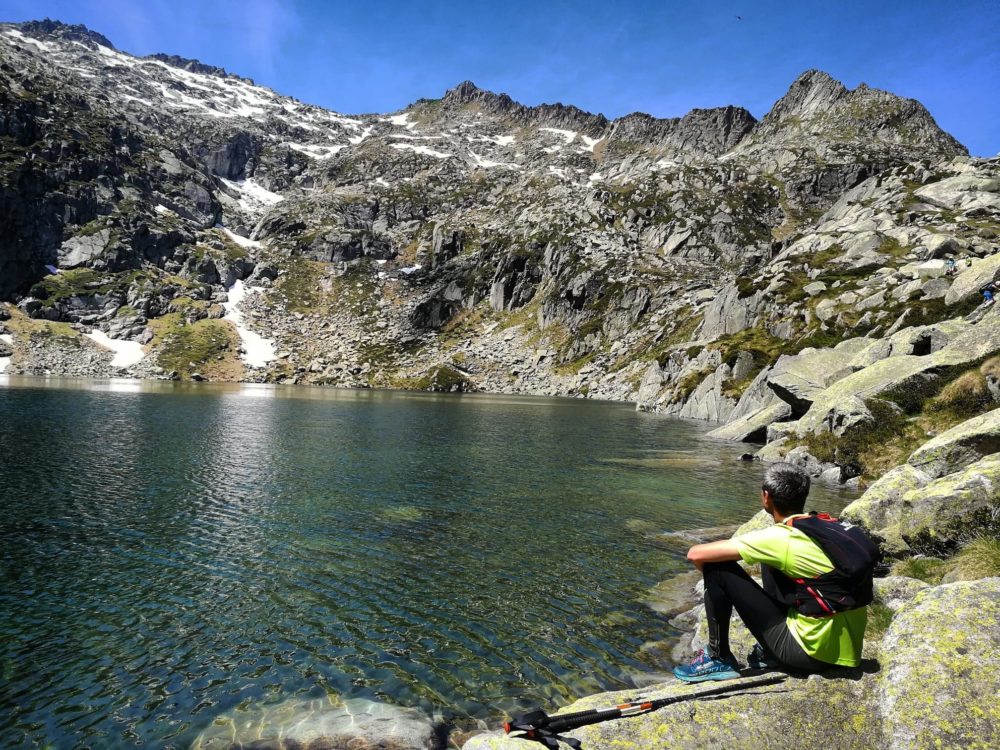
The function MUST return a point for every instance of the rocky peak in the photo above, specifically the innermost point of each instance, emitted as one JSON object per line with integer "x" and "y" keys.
{"x": 70, "y": 32}
{"x": 468, "y": 93}
{"x": 568, "y": 116}
{"x": 710, "y": 131}
{"x": 552, "y": 115}
{"x": 819, "y": 121}
{"x": 195, "y": 66}
{"x": 813, "y": 91}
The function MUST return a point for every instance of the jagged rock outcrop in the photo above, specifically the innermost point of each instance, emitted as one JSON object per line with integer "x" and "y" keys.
{"x": 700, "y": 131}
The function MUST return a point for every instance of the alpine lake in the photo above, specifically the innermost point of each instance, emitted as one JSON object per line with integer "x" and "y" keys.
{"x": 176, "y": 557}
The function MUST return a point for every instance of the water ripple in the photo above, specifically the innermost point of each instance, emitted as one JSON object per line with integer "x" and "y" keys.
{"x": 171, "y": 557}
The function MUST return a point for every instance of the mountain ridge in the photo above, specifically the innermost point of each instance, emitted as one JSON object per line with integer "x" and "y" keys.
{"x": 472, "y": 204}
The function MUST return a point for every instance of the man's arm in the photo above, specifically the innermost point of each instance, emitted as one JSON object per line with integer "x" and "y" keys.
{"x": 723, "y": 551}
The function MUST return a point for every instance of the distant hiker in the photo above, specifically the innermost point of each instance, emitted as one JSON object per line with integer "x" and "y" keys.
{"x": 988, "y": 290}
{"x": 949, "y": 267}
{"x": 817, "y": 572}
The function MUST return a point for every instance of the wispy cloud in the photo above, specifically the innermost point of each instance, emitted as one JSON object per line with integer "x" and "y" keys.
{"x": 238, "y": 32}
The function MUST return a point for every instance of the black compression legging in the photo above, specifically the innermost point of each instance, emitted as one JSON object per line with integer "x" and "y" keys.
{"x": 727, "y": 585}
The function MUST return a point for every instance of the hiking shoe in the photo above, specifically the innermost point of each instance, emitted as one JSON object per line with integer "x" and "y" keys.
{"x": 758, "y": 659}
{"x": 705, "y": 667}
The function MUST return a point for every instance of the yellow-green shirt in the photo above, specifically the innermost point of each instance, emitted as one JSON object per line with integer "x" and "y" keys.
{"x": 834, "y": 640}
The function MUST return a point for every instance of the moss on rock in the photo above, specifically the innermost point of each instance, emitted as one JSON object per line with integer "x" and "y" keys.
{"x": 941, "y": 669}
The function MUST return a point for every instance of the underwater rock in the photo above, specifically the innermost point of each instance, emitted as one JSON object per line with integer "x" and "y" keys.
{"x": 323, "y": 724}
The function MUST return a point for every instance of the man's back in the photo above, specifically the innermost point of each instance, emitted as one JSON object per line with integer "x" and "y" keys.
{"x": 835, "y": 639}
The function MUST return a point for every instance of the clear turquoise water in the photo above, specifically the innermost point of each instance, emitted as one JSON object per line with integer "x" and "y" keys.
{"x": 172, "y": 553}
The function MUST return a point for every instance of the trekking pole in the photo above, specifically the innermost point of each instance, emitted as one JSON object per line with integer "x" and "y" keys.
{"x": 540, "y": 727}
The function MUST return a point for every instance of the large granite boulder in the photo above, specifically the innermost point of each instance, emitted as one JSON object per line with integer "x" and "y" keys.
{"x": 708, "y": 401}
{"x": 842, "y": 405}
{"x": 82, "y": 249}
{"x": 959, "y": 446}
{"x": 758, "y": 395}
{"x": 800, "y": 378}
{"x": 727, "y": 313}
{"x": 753, "y": 427}
{"x": 761, "y": 520}
{"x": 947, "y": 511}
{"x": 675, "y": 595}
{"x": 896, "y": 591}
{"x": 941, "y": 669}
{"x": 834, "y": 713}
{"x": 880, "y": 509}
{"x": 965, "y": 192}
{"x": 934, "y": 686}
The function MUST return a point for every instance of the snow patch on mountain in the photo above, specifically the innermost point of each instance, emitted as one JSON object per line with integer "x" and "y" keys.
{"x": 422, "y": 150}
{"x": 488, "y": 163}
{"x": 253, "y": 198}
{"x": 240, "y": 240}
{"x": 127, "y": 353}
{"x": 317, "y": 152}
{"x": 356, "y": 139}
{"x": 257, "y": 350}
{"x": 568, "y": 135}
{"x": 402, "y": 121}
{"x": 5, "y": 361}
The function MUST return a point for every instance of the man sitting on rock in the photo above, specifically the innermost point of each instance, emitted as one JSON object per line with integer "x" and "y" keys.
{"x": 791, "y": 562}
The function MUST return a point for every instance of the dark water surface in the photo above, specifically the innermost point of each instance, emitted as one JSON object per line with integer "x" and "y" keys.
{"x": 172, "y": 553}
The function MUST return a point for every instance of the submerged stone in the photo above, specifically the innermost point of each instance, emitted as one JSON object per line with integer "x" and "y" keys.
{"x": 354, "y": 724}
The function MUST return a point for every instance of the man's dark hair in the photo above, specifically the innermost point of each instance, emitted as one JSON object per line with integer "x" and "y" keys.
{"x": 788, "y": 487}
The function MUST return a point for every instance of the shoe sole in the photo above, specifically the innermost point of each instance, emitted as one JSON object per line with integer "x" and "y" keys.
{"x": 717, "y": 676}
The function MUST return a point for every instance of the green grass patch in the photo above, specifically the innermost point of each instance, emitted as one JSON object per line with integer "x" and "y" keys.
{"x": 879, "y": 619}
{"x": 847, "y": 275}
{"x": 746, "y": 287}
{"x": 187, "y": 348}
{"x": 299, "y": 284}
{"x": 873, "y": 447}
{"x": 928, "y": 312}
{"x": 574, "y": 366}
{"x": 77, "y": 282}
{"x": 927, "y": 569}
{"x": 443, "y": 379}
{"x": 978, "y": 558}
{"x": 758, "y": 342}
{"x": 687, "y": 385}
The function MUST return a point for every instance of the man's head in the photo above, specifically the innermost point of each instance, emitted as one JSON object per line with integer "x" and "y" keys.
{"x": 786, "y": 488}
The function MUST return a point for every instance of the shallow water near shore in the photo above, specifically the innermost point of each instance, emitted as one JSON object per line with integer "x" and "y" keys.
{"x": 174, "y": 553}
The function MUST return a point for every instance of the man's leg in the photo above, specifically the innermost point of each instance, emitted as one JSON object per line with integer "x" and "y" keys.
{"x": 727, "y": 586}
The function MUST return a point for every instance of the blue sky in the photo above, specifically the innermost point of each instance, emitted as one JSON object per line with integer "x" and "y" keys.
{"x": 663, "y": 57}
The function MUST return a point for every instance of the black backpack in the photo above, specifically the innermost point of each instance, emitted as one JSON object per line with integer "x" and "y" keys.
{"x": 848, "y": 586}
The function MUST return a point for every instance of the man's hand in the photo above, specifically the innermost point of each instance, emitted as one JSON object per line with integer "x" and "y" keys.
{"x": 723, "y": 551}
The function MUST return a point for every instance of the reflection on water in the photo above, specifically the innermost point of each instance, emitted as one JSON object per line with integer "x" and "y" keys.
{"x": 175, "y": 553}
